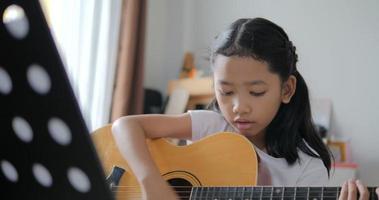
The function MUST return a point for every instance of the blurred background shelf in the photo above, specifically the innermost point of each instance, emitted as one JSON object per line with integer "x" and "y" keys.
{"x": 200, "y": 90}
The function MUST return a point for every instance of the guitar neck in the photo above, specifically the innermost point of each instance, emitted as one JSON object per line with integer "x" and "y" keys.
{"x": 267, "y": 192}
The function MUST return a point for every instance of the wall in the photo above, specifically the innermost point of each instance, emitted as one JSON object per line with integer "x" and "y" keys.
{"x": 164, "y": 42}
{"x": 337, "y": 43}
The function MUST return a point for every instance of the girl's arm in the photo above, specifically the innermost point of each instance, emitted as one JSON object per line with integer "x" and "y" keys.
{"x": 130, "y": 135}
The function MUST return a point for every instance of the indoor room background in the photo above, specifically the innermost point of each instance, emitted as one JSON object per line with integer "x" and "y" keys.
{"x": 337, "y": 43}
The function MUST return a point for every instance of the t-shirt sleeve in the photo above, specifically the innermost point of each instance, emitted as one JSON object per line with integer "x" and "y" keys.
{"x": 314, "y": 174}
{"x": 206, "y": 122}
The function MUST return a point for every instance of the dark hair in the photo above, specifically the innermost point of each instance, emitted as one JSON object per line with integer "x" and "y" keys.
{"x": 263, "y": 40}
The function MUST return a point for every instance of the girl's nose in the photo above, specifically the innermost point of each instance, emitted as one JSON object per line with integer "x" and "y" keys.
{"x": 241, "y": 107}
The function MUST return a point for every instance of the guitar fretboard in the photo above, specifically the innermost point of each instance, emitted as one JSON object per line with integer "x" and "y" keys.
{"x": 257, "y": 193}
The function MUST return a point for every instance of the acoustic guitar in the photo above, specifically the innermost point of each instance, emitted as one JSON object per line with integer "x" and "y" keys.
{"x": 222, "y": 166}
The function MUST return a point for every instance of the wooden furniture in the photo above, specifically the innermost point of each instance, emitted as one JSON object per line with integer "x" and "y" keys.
{"x": 200, "y": 90}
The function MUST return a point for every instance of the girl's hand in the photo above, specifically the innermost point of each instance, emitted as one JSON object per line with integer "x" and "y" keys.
{"x": 155, "y": 188}
{"x": 350, "y": 189}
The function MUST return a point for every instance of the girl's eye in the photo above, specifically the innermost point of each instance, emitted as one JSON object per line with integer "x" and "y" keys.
{"x": 226, "y": 93}
{"x": 257, "y": 94}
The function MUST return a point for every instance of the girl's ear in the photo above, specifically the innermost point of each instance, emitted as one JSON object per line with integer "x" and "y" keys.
{"x": 288, "y": 89}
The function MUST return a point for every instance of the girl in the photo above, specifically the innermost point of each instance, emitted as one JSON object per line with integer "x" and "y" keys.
{"x": 259, "y": 94}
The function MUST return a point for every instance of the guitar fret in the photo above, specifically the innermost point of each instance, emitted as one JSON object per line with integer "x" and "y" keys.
{"x": 243, "y": 192}
{"x": 330, "y": 193}
{"x": 267, "y": 193}
{"x": 301, "y": 193}
{"x": 234, "y": 191}
{"x": 225, "y": 192}
{"x": 277, "y": 193}
{"x": 248, "y": 192}
{"x": 315, "y": 193}
{"x": 212, "y": 191}
{"x": 239, "y": 192}
{"x": 288, "y": 193}
{"x": 206, "y": 192}
{"x": 194, "y": 192}
{"x": 257, "y": 192}
{"x": 322, "y": 193}
{"x": 217, "y": 193}
{"x": 221, "y": 192}
{"x": 201, "y": 192}
{"x": 252, "y": 193}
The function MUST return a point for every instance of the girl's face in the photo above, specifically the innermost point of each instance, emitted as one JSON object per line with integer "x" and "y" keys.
{"x": 248, "y": 94}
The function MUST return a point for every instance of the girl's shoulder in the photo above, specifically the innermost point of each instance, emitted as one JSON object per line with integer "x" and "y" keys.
{"x": 307, "y": 170}
{"x": 207, "y": 122}
{"x": 305, "y": 161}
{"x": 314, "y": 172}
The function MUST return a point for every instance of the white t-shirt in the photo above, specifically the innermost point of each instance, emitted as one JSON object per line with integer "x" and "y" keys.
{"x": 273, "y": 171}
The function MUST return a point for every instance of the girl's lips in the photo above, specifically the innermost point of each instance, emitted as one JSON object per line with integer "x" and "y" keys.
{"x": 243, "y": 125}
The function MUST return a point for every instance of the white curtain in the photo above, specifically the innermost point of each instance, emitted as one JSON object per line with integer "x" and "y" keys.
{"x": 86, "y": 33}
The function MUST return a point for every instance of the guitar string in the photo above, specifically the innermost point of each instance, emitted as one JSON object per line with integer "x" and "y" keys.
{"x": 188, "y": 194}
{"x": 329, "y": 189}
{"x": 265, "y": 194}
{"x": 217, "y": 193}
{"x": 240, "y": 196}
{"x": 311, "y": 194}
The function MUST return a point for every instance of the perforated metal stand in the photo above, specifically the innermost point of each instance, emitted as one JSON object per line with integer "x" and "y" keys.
{"x": 45, "y": 149}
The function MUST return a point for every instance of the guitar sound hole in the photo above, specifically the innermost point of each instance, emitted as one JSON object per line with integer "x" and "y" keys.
{"x": 182, "y": 187}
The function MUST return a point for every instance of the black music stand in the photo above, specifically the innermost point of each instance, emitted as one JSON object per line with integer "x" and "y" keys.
{"x": 45, "y": 148}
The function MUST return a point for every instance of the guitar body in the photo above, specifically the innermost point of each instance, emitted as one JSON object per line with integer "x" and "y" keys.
{"x": 222, "y": 159}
